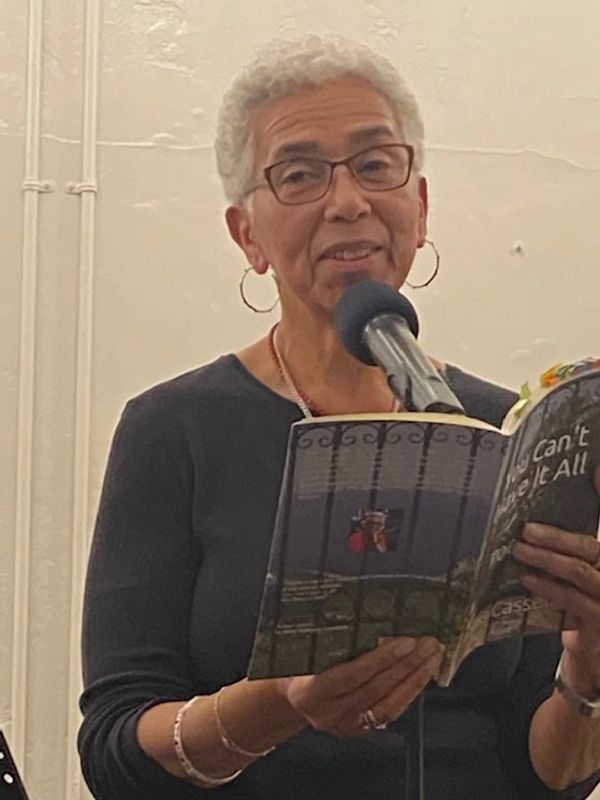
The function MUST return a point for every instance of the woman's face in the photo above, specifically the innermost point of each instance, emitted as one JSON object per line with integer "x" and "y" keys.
{"x": 368, "y": 234}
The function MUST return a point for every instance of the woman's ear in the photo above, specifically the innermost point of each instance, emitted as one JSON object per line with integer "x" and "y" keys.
{"x": 239, "y": 224}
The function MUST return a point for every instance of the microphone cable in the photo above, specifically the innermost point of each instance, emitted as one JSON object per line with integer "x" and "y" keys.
{"x": 415, "y": 750}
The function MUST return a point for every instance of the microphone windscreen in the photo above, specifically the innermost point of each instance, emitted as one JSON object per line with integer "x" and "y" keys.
{"x": 362, "y": 302}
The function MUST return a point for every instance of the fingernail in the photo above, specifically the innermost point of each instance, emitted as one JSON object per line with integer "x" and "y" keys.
{"x": 521, "y": 550}
{"x": 428, "y": 645}
{"x": 529, "y": 580}
{"x": 405, "y": 646}
{"x": 534, "y": 532}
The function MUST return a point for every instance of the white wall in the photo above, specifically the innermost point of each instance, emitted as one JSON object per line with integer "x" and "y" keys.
{"x": 511, "y": 97}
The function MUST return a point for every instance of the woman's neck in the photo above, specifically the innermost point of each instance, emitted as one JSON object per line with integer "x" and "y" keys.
{"x": 321, "y": 368}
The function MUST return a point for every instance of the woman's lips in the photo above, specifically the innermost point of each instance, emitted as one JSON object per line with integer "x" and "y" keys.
{"x": 359, "y": 260}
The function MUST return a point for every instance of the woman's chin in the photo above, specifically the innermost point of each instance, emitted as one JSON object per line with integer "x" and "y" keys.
{"x": 345, "y": 278}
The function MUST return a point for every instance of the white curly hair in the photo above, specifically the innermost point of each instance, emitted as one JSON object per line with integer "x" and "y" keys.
{"x": 283, "y": 67}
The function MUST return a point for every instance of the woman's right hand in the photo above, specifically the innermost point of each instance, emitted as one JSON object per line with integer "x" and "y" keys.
{"x": 384, "y": 681}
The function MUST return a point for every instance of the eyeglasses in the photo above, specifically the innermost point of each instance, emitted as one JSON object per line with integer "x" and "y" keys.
{"x": 304, "y": 180}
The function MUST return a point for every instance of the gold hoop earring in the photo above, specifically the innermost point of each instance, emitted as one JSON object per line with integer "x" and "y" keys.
{"x": 245, "y": 299}
{"x": 435, "y": 271}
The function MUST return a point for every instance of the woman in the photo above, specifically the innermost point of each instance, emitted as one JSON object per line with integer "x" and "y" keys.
{"x": 320, "y": 148}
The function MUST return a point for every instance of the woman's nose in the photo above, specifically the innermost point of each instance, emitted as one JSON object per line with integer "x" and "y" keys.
{"x": 346, "y": 199}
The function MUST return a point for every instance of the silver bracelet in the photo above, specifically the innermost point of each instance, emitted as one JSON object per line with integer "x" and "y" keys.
{"x": 195, "y": 776}
{"x": 583, "y": 706}
{"x": 226, "y": 740}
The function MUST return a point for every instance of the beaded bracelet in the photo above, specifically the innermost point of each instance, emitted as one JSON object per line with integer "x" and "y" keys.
{"x": 226, "y": 740}
{"x": 195, "y": 776}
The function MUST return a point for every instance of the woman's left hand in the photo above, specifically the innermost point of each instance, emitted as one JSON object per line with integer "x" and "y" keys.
{"x": 573, "y": 559}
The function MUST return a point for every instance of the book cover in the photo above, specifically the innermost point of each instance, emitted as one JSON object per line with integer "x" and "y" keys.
{"x": 402, "y": 524}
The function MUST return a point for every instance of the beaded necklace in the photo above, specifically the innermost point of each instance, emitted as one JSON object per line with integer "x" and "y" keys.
{"x": 304, "y": 402}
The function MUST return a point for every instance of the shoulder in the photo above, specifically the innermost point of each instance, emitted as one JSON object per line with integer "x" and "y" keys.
{"x": 186, "y": 407}
{"x": 207, "y": 404}
{"x": 481, "y": 398}
{"x": 200, "y": 388}
{"x": 168, "y": 425}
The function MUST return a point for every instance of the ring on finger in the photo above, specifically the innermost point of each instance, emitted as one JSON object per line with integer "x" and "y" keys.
{"x": 369, "y": 722}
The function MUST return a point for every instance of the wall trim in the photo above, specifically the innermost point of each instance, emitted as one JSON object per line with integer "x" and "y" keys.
{"x": 32, "y": 186}
{"x": 86, "y": 188}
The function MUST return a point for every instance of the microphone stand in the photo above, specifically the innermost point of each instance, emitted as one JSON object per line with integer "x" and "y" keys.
{"x": 415, "y": 750}
{"x": 11, "y": 786}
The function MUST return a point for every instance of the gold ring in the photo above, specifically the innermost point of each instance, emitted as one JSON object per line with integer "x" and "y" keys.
{"x": 369, "y": 722}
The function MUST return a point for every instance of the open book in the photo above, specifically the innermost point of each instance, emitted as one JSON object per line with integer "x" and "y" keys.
{"x": 402, "y": 524}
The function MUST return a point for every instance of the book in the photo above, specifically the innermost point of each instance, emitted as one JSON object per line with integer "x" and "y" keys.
{"x": 402, "y": 525}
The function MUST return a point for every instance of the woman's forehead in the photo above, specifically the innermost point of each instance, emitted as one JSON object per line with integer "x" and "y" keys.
{"x": 335, "y": 115}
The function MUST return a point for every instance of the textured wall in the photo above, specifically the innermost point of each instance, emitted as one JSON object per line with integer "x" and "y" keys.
{"x": 511, "y": 97}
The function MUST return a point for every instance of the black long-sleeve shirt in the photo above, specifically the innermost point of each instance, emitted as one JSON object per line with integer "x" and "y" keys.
{"x": 173, "y": 589}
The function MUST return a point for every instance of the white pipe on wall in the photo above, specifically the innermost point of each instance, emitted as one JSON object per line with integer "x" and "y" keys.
{"x": 32, "y": 186}
{"x": 87, "y": 189}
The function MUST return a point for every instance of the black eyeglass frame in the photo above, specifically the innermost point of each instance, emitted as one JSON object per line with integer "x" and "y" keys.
{"x": 332, "y": 165}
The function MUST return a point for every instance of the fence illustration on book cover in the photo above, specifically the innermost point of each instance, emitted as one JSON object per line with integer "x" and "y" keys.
{"x": 357, "y": 525}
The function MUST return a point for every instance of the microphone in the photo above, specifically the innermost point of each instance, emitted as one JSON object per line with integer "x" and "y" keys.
{"x": 379, "y": 326}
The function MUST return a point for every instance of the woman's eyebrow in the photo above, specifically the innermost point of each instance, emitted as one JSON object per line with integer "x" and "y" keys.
{"x": 366, "y": 135}
{"x": 301, "y": 147}
{"x": 305, "y": 147}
